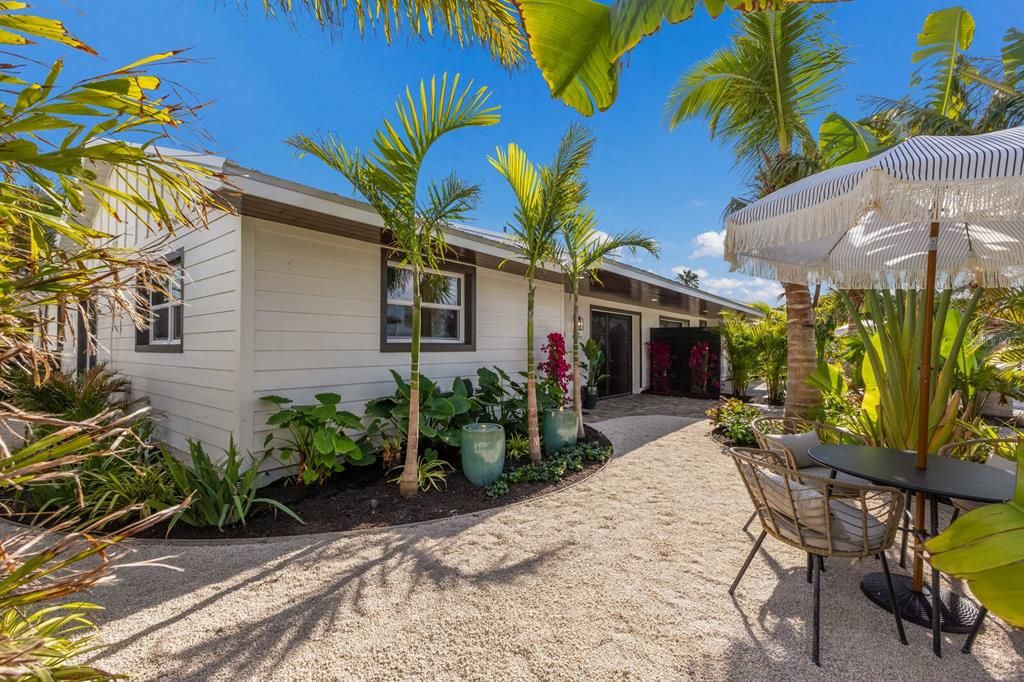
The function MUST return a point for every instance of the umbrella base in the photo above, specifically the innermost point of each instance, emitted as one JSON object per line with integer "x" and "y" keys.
{"x": 957, "y": 613}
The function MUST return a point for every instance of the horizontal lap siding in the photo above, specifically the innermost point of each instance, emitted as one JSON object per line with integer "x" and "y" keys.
{"x": 194, "y": 393}
{"x": 316, "y": 321}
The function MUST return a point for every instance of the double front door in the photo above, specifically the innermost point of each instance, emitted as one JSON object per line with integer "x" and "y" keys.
{"x": 614, "y": 332}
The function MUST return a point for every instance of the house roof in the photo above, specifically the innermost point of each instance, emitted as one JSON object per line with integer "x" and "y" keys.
{"x": 253, "y": 183}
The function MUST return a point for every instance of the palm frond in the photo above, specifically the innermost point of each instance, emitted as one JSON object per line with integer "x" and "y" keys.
{"x": 779, "y": 70}
{"x": 492, "y": 23}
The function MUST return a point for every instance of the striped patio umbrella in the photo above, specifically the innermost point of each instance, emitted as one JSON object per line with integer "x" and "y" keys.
{"x": 929, "y": 211}
{"x": 874, "y": 223}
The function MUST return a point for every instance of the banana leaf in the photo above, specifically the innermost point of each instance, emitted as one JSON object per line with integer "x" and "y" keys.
{"x": 985, "y": 547}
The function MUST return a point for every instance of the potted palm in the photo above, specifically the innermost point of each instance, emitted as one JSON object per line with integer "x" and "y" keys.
{"x": 595, "y": 372}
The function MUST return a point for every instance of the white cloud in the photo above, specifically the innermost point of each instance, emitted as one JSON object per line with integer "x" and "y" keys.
{"x": 709, "y": 244}
{"x": 741, "y": 288}
{"x": 698, "y": 203}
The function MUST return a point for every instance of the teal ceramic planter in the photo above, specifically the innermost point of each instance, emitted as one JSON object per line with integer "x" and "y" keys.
{"x": 559, "y": 429}
{"x": 483, "y": 452}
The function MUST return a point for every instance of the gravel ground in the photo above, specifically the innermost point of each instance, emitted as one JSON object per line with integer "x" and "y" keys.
{"x": 623, "y": 576}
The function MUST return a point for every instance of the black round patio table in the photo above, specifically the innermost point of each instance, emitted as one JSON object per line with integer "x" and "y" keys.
{"x": 944, "y": 478}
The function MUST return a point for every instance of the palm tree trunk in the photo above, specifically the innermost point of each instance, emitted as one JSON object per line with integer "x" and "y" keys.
{"x": 802, "y": 399}
{"x": 577, "y": 389}
{"x": 532, "y": 425}
{"x": 408, "y": 484}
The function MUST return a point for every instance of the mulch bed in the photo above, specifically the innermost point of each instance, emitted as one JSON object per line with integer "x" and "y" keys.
{"x": 362, "y": 499}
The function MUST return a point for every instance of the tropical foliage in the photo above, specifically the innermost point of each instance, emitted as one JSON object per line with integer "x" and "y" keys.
{"x": 759, "y": 94}
{"x": 738, "y": 347}
{"x": 578, "y": 44}
{"x": 60, "y": 168}
{"x": 491, "y": 23}
{"x": 318, "y": 435}
{"x": 388, "y": 178}
{"x": 955, "y": 93}
{"x": 548, "y": 197}
{"x": 223, "y": 493}
{"x": 983, "y": 547}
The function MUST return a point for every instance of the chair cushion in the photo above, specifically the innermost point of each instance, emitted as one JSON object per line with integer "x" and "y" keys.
{"x": 848, "y": 525}
{"x": 825, "y": 472}
{"x": 798, "y": 444}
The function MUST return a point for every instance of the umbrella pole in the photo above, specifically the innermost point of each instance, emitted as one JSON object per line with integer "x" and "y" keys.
{"x": 924, "y": 393}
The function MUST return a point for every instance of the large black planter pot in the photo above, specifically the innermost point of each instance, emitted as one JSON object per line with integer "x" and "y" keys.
{"x": 589, "y": 394}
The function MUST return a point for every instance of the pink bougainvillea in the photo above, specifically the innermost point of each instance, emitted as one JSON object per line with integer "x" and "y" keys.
{"x": 701, "y": 362}
{"x": 555, "y": 367}
{"x": 660, "y": 355}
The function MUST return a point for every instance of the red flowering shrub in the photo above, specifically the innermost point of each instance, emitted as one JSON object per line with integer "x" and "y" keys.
{"x": 555, "y": 367}
{"x": 702, "y": 363}
{"x": 660, "y": 355}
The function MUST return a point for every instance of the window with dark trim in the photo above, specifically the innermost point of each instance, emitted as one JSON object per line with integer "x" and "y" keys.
{"x": 446, "y": 312}
{"x": 163, "y": 307}
{"x": 671, "y": 322}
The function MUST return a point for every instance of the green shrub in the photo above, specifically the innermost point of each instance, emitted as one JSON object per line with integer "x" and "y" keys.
{"x": 550, "y": 470}
{"x": 222, "y": 494}
{"x": 317, "y": 435}
{"x": 732, "y": 418}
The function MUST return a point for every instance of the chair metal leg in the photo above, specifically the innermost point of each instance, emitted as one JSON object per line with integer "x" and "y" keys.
{"x": 969, "y": 643}
{"x": 810, "y": 567}
{"x": 750, "y": 557}
{"x": 749, "y": 521}
{"x": 816, "y": 641}
{"x": 956, "y": 515}
{"x": 892, "y": 598}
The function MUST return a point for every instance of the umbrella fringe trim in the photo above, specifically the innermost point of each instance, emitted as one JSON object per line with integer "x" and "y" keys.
{"x": 970, "y": 201}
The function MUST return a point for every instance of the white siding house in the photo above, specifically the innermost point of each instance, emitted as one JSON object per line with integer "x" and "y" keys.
{"x": 288, "y": 296}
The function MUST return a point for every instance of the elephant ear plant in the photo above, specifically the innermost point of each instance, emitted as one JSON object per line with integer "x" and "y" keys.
{"x": 317, "y": 436}
{"x": 441, "y": 415}
{"x": 985, "y": 547}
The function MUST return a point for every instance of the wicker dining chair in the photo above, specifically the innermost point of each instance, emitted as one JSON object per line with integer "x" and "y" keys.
{"x": 820, "y": 516}
{"x": 981, "y": 450}
{"x": 793, "y": 437}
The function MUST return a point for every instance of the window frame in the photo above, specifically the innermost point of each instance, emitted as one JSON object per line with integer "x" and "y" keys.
{"x": 467, "y": 342}
{"x": 144, "y": 343}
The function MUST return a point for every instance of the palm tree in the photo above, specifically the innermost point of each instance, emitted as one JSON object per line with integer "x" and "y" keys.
{"x": 689, "y": 278}
{"x": 547, "y": 197}
{"x": 584, "y": 251}
{"x": 491, "y": 23}
{"x": 388, "y": 177}
{"x": 759, "y": 93}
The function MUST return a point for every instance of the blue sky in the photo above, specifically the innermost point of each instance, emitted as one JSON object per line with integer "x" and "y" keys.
{"x": 267, "y": 80}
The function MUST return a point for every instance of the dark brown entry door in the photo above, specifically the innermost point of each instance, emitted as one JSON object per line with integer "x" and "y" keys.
{"x": 614, "y": 332}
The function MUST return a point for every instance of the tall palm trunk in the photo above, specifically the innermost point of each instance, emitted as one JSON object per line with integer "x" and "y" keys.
{"x": 577, "y": 389}
{"x": 408, "y": 484}
{"x": 802, "y": 399}
{"x": 532, "y": 425}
